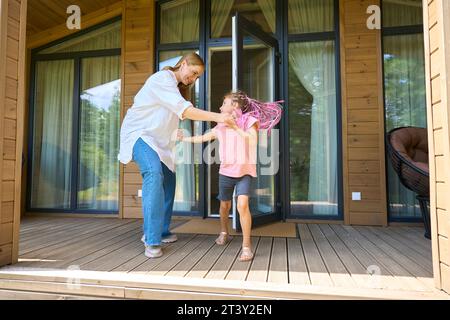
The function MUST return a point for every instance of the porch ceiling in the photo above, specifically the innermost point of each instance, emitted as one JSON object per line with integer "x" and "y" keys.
{"x": 45, "y": 14}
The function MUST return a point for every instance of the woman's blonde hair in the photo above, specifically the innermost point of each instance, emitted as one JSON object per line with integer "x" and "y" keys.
{"x": 192, "y": 59}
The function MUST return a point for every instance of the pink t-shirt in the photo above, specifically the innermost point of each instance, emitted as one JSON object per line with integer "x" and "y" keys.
{"x": 237, "y": 157}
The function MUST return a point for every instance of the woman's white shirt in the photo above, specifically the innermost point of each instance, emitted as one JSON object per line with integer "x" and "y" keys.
{"x": 157, "y": 109}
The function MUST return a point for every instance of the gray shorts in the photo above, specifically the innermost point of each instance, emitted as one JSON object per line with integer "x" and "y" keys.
{"x": 227, "y": 184}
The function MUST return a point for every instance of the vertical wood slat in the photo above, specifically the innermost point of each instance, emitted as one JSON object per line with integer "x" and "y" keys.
{"x": 12, "y": 97}
{"x": 362, "y": 115}
{"x": 137, "y": 65}
{"x": 437, "y": 67}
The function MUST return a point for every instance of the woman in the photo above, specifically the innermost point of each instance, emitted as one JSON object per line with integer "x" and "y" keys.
{"x": 147, "y": 137}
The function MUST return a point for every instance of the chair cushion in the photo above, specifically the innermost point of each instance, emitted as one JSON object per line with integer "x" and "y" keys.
{"x": 412, "y": 144}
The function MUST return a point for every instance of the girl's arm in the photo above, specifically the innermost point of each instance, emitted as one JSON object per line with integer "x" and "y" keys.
{"x": 200, "y": 139}
{"x": 251, "y": 134}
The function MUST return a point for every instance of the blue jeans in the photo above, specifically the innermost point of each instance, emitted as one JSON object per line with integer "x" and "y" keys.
{"x": 158, "y": 192}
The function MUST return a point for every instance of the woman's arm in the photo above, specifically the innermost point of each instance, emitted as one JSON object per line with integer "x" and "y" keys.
{"x": 200, "y": 139}
{"x": 201, "y": 115}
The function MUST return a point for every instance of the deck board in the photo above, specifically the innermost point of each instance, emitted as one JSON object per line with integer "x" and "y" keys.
{"x": 338, "y": 272}
{"x": 278, "y": 268}
{"x": 239, "y": 270}
{"x": 318, "y": 272}
{"x": 324, "y": 256}
{"x": 65, "y": 253}
{"x": 383, "y": 257}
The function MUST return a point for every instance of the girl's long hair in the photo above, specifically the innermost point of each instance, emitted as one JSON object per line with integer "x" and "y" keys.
{"x": 192, "y": 59}
{"x": 267, "y": 113}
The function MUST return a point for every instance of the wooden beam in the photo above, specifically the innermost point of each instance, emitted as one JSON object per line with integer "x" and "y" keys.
{"x": 87, "y": 21}
{"x": 21, "y": 98}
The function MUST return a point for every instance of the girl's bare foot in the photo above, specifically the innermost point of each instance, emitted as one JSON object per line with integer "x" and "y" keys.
{"x": 246, "y": 254}
{"x": 223, "y": 239}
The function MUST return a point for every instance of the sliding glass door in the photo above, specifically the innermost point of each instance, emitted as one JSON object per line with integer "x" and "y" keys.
{"x": 75, "y": 123}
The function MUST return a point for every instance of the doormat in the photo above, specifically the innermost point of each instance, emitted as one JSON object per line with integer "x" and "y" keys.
{"x": 212, "y": 226}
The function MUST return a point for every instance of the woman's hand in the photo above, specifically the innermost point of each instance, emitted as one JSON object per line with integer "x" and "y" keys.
{"x": 229, "y": 120}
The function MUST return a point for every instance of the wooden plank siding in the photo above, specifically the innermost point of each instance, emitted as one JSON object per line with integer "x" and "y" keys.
{"x": 12, "y": 97}
{"x": 437, "y": 61}
{"x": 138, "y": 59}
{"x": 362, "y": 116}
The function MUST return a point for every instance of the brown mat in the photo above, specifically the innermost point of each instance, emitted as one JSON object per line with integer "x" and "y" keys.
{"x": 212, "y": 226}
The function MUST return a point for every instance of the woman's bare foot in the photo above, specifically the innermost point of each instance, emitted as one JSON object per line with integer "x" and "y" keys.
{"x": 246, "y": 254}
{"x": 223, "y": 239}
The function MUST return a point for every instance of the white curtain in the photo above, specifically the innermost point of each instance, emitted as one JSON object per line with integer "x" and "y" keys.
{"x": 52, "y": 138}
{"x": 107, "y": 37}
{"x": 405, "y": 104}
{"x": 310, "y": 16}
{"x": 314, "y": 65}
{"x": 180, "y": 21}
{"x": 402, "y": 12}
{"x": 220, "y": 13}
{"x": 268, "y": 8}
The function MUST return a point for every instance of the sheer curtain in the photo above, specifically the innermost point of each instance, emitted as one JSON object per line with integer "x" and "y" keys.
{"x": 180, "y": 21}
{"x": 268, "y": 7}
{"x": 405, "y": 105}
{"x": 108, "y": 37}
{"x": 52, "y": 142}
{"x": 404, "y": 84}
{"x": 310, "y": 16}
{"x": 99, "y": 131}
{"x": 220, "y": 10}
{"x": 314, "y": 65}
{"x": 402, "y": 13}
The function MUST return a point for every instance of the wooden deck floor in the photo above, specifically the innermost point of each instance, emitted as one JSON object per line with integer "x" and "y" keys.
{"x": 104, "y": 257}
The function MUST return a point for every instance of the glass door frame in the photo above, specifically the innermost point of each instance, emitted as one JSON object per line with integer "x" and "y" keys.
{"x": 241, "y": 25}
{"x": 77, "y": 58}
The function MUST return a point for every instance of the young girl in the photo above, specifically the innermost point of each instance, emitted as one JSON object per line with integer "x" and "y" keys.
{"x": 238, "y": 154}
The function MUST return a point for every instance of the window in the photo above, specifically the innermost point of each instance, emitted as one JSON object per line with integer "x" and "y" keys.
{"x": 75, "y": 121}
{"x": 404, "y": 88}
{"x": 313, "y": 119}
